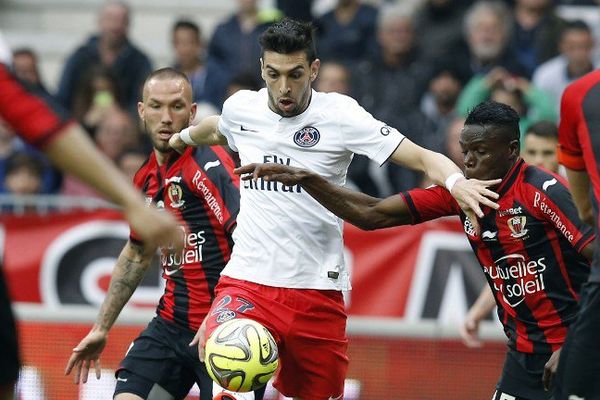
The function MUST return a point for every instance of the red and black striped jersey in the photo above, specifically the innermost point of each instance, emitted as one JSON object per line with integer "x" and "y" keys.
{"x": 530, "y": 252}
{"x": 579, "y": 141}
{"x": 37, "y": 119}
{"x": 201, "y": 191}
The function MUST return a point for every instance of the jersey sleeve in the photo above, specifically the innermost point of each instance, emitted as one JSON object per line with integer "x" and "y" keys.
{"x": 225, "y": 125}
{"x": 569, "y": 152}
{"x": 431, "y": 203}
{"x": 219, "y": 180}
{"x": 551, "y": 201}
{"x": 365, "y": 135}
{"x": 36, "y": 118}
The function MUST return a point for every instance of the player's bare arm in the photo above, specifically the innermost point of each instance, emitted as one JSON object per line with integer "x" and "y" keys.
{"x": 205, "y": 133}
{"x": 74, "y": 152}
{"x": 359, "y": 209}
{"x": 469, "y": 193}
{"x": 129, "y": 270}
{"x": 482, "y": 307}
{"x": 579, "y": 186}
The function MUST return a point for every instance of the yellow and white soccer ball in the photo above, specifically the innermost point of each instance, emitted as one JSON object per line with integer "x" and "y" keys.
{"x": 241, "y": 355}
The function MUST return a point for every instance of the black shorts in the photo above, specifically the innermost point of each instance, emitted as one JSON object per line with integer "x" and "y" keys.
{"x": 160, "y": 359}
{"x": 161, "y": 355}
{"x": 9, "y": 349}
{"x": 522, "y": 377}
{"x": 579, "y": 365}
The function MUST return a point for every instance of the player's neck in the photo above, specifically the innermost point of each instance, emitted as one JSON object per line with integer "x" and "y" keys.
{"x": 163, "y": 157}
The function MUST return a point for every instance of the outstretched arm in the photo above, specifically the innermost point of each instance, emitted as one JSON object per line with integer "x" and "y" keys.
{"x": 126, "y": 276}
{"x": 359, "y": 209}
{"x": 469, "y": 193}
{"x": 579, "y": 185}
{"x": 205, "y": 133}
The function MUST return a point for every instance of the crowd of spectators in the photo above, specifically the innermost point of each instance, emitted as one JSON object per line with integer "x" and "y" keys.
{"x": 419, "y": 66}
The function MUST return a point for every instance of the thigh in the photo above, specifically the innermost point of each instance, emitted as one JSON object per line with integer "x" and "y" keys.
{"x": 579, "y": 366}
{"x": 314, "y": 361}
{"x": 131, "y": 386}
{"x": 522, "y": 377}
{"x": 9, "y": 348}
{"x": 152, "y": 360}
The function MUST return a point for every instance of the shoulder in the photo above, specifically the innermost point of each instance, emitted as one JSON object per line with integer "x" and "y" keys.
{"x": 245, "y": 99}
{"x": 337, "y": 101}
{"x": 142, "y": 173}
{"x": 540, "y": 178}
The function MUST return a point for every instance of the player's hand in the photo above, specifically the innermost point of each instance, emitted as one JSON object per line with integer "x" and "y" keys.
{"x": 471, "y": 194}
{"x": 87, "y": 354}
{"x": 156, "y": 228}
{"x": 272, "y": 172}
{"x": 550, "y": 369}
{"x": 177, "y": 144}
{"x": 469, "y": 332}
{"x": 200, "y": 340}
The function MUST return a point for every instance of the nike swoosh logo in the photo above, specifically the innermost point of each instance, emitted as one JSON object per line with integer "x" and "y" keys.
{"x": 122, "y": 379}
{"x": 211, "y": 164}
{"x": 489, "y": 235}
{"x": 573, "y": 397}
{"x": 549, "y": 183}
{"x": 170, "y": 272}
{"x": 246, "y": 129}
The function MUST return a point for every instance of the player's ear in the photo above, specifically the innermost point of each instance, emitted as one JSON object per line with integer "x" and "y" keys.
{"x": 140, "y": 108}
{"x": 193, "y": 112}
{"x": 262, "y": 69}
{"x": 314, "y": 69}
{"x": 514, "y": 148}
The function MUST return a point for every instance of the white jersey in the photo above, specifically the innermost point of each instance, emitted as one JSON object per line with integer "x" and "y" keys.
{"x": 285, "y": 238}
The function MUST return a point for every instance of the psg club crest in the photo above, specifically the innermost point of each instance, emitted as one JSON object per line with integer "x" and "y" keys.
{"x": 307, "y": 137}
{"x": 517, "y": 226}
{"x": 175, "y": 192}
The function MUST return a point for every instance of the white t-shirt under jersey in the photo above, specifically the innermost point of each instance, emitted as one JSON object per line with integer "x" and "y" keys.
{"x": 284, "y": 237}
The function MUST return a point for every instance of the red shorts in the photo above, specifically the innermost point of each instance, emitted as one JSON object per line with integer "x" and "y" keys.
{"x": 308, "y": 325}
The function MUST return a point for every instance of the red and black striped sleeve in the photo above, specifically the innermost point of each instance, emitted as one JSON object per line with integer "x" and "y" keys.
{"x": 431, "y": 203}
{"x": 570, "y": 153}
{"x": 35, "y": 119}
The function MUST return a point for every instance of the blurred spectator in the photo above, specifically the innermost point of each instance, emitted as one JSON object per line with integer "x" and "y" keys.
{"x": 300, "y": 10}
{"x": 116, "y": 133}
{"x": 487, "y": 26}
{"x": 10, "y": 144}
{"x": 531, "y": 103}
{"x": 25, "y": 67}
{"x": 23, "y": 174}
{"x": 390, "y": 86}
{"x": 575, "y": 60}
{"x": 439, "y": 105}
{"x": 333, "y": 77}
{"x": 539, "y": 146}
{"x": 190, "y": 58}
{"x": 453, "y": 149}
{"x": 535, "y": 33}
{"x": 96, "y": 95}
{"x": 439, "y": 28}
{"x": 112, "y": 49}
{"x": 347, "y": 33}
{"x": 234, "y": 46}
{"x": 130, "y": 161}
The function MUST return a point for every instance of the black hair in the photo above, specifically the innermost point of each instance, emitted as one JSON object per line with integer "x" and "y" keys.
{"x": 24, "y": 51}
{"x": 246, "y": 80}
{"x": 288, "y": 36}
{"x": 187, "y": 24}
{"x": 576, "y": 25}
{"x": 546, "y": 129}
{"x": 19, "y": 160}
{"x": 503, "y": 119}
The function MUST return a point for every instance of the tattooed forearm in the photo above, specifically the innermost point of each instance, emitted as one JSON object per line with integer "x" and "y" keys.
{"x": 127, "y": 274}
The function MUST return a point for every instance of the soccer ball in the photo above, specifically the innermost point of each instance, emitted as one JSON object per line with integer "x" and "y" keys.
{"x": 241, "y": 355}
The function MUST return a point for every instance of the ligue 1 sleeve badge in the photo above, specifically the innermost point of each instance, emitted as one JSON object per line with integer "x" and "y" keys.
{"x": 307, "y": 137}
